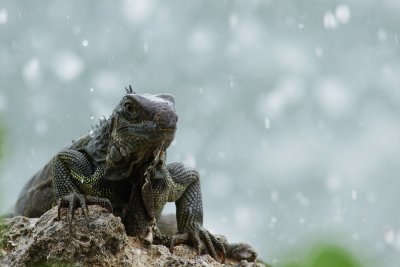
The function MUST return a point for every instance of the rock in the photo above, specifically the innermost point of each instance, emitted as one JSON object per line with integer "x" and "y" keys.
{"x": 167, "y": 224}
{"x": 47, "y": 241}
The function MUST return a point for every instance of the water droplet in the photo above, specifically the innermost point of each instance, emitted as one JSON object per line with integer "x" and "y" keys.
{"x": 41, "y": 127}
{"x": 92, "y": 117}
{"x": 382, "y": 35}
{"x": 3, "y": 16}
{"x": 267, "y": 123}
{"x": 389, "y": 235}
{"x": 343, "y": 14}
{"x": 330, "y": 21}
{"x": 67, "y": 65}
{"x": 233, "y": 21}
{"x": 354, "y": 194}
{"x": 31, "y": 70}
{"x": 319, "y": 52}
{"x": 333, "y": 182}
{"x": 85, "y": 43}
{"x": 274, "y": 196}
{"x": 91, "y": 90}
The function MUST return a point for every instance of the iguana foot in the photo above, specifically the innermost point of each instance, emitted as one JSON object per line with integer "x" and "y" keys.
{"x": 238, "y": 251}
{"x": 198, "y": 237}
{"x": 75, "y": 200}
{"x": 242, "y": 251}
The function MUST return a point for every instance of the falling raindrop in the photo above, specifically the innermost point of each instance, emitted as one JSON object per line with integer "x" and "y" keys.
{"x": 85, "y": 43}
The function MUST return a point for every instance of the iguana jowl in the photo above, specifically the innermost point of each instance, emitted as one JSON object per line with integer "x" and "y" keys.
{"x": 121, "y": 166}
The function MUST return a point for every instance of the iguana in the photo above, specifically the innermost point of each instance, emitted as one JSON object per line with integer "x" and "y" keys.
{"x": 121, "y": 165}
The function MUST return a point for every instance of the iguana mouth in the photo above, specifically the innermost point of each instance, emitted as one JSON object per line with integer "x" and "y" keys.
{"x": 149, "y": 129}
{"x": 143, "y": 128}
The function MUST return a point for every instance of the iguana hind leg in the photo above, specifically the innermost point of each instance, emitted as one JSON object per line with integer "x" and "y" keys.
{"x": 37, "y": 196}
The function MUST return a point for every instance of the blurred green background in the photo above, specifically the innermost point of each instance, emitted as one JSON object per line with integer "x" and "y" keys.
{"x": 289, "y": 109}
{"x": 323, "y": 255}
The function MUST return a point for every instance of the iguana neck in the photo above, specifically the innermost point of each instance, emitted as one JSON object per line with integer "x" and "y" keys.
{"x": 101, "y": 137}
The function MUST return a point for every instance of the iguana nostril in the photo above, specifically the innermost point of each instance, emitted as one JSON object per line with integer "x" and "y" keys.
{"x": 123, "y": 151}
{"x": 157, "y": 117}
{"x": 165, "y": 119}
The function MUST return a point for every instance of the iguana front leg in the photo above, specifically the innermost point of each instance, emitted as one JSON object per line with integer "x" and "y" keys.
{"x": 182, "y": 186}
{"x": 73, "y": 183}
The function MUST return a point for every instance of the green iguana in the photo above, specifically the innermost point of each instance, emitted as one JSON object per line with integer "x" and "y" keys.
{"x": 121, "y": 166}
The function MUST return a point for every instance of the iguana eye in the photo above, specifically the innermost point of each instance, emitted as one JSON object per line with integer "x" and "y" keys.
{"x": 129, "y": 107}
{"x": 131, "y": 110}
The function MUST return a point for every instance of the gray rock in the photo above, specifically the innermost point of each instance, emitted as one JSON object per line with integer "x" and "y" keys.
{"x": 47, "y": 240}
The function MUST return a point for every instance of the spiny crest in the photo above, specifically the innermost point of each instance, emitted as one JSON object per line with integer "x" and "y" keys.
{"x": 129, "y": 90}
{"x": 102, "y": 121}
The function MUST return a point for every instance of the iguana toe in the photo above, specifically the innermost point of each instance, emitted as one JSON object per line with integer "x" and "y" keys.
{"x": 74, "y": 200}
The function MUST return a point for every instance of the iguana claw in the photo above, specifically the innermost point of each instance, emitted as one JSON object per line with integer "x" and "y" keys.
{"x": 75, "y": 200}
{"x": 202, "y": 240}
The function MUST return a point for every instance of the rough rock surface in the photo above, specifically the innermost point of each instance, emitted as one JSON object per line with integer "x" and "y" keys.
{"x": 47, "y": 241}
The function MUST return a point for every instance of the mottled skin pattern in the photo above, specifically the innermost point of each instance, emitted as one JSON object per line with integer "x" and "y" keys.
{"x": 121, "y": 166}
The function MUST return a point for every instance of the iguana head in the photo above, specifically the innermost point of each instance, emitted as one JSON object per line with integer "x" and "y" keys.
{"x": 141, "y": 124}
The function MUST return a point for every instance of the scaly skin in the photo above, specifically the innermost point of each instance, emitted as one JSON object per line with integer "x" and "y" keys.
{"x": 121, "y": 166}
